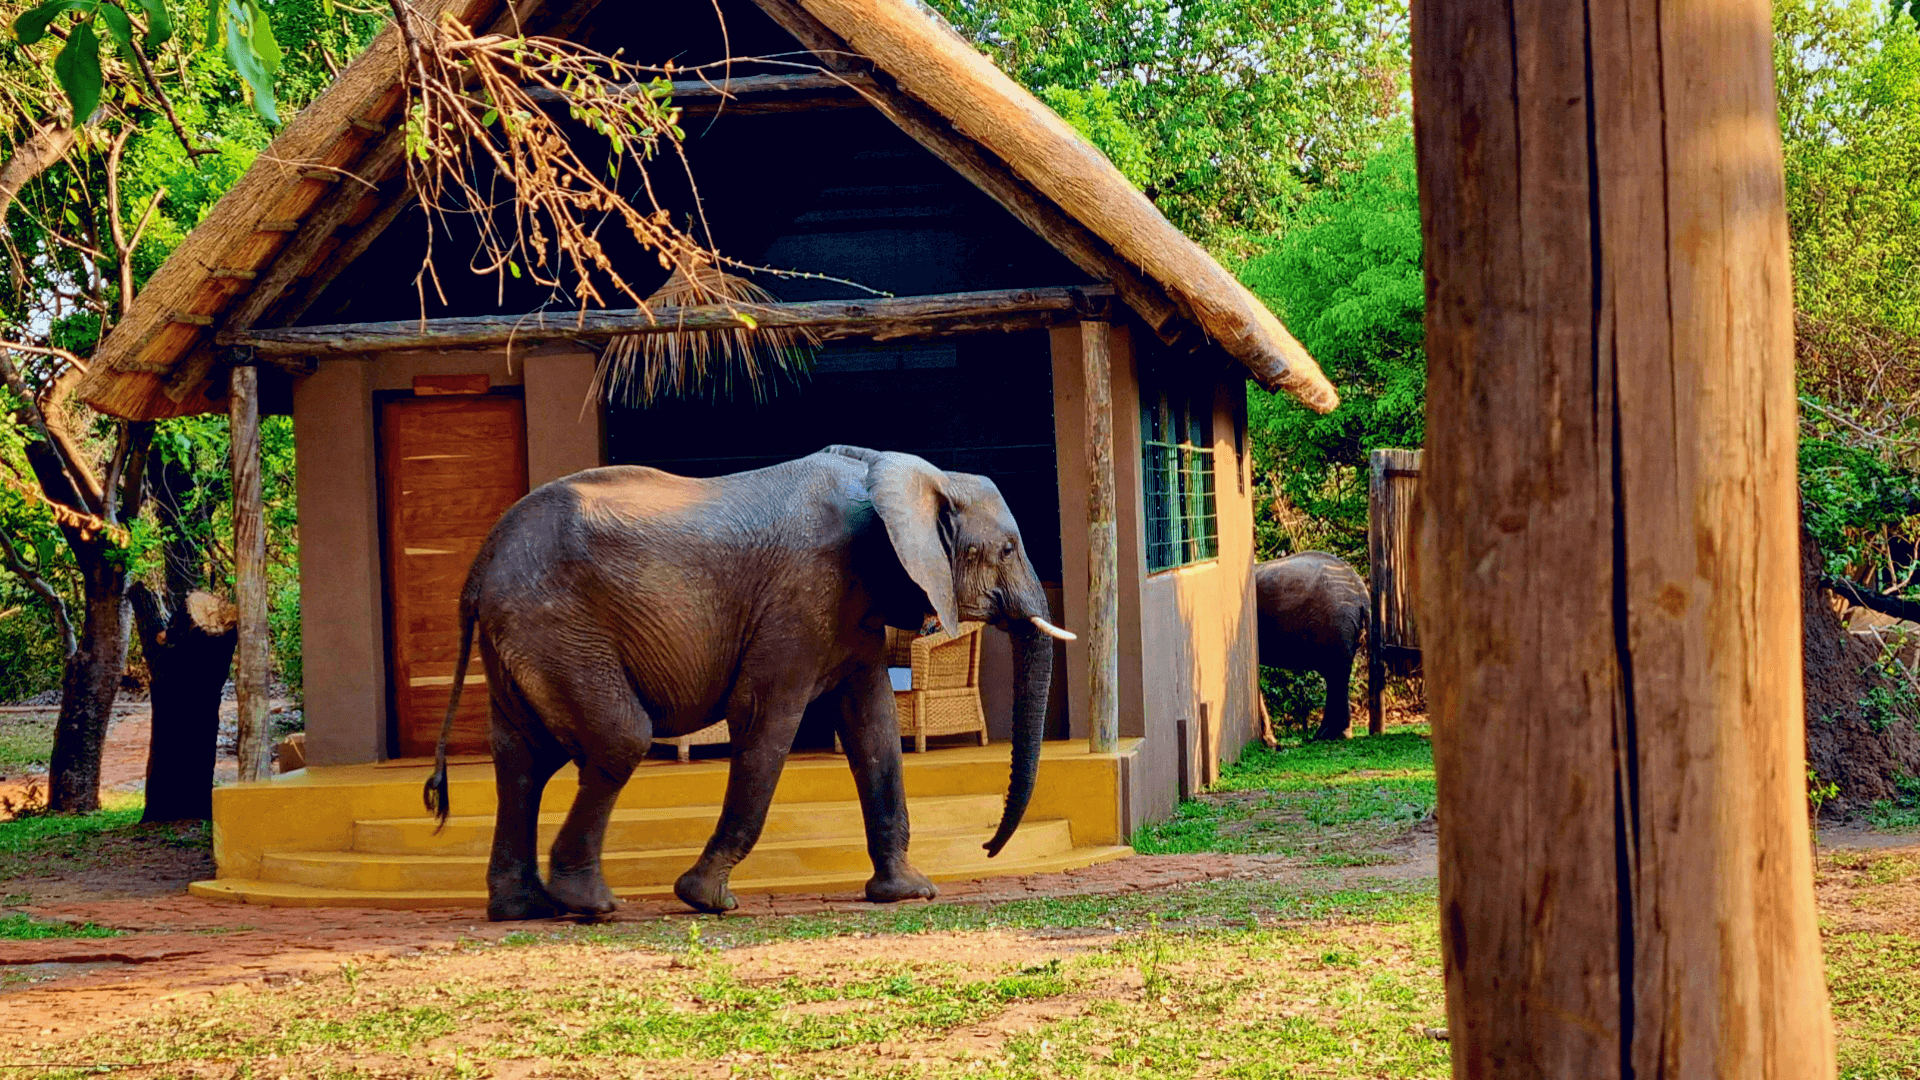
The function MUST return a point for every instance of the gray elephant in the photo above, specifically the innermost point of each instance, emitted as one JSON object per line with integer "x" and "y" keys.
{"x": 622, "y": 604}
{"x": 1312, "y": 614}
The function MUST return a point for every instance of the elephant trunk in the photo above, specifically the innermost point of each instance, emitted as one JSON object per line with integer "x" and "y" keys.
{"x": 1033, "y": 676}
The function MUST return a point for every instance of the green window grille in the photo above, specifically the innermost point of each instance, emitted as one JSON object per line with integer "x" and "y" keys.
{"x": 1183, "y": 523}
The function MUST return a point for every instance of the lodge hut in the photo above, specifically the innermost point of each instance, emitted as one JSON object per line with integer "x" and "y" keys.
{"x": 1027, "y": 314}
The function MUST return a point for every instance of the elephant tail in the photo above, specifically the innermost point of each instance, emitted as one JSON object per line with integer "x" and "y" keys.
{"x": 436, "y": 789}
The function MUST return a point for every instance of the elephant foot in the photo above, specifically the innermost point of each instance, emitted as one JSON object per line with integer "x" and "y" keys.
{"x": 705, "y": 893}
{"x": 582, "y": 892}
{"x": 1330, "y": 734}
{"x": 904, "y": 884}
{"x": 524, "y": 902}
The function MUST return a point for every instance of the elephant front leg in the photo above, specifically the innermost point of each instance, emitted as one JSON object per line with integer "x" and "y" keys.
{"x": 751, "y": 778}
{"x": 870, "y": 730}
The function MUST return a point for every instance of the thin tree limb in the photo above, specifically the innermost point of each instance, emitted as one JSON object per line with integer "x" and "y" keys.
{"x": 166, "y": 104}
{"x": 39, "y": 586}
{"x": 81, "y": 481}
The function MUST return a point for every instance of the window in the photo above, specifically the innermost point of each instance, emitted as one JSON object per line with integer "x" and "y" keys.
{"x": 1176, "y": 441}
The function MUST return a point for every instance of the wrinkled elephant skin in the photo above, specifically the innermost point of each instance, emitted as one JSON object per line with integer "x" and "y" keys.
{"x": 1312, "y": 612}
{"x": 624, "y": 604}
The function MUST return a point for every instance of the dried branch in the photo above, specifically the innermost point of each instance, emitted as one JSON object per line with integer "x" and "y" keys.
{"x": 39, "y": 586}
{"x": 85, "y": 486}
{"x": 32, "y": 156}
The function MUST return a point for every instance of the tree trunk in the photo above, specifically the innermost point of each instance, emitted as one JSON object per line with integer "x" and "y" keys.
{"x": 1608, "y": 559}
{"x": 188, "y": 652}
{"x": 87, "y": 690}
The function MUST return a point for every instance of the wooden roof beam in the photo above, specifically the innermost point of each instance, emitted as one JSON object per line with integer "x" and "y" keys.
{"x": 887, "y": 318}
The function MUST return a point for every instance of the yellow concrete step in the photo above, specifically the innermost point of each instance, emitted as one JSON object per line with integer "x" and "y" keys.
{"x": 834, "y": 856}
{"x": 285, "y": 894}
{"x": 669, "y": 826}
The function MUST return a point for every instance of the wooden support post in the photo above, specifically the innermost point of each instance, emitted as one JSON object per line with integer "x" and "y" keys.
{"x": 1379, "y": 572}
{"x": 249, "y": 572}
{"x": 1103, "y": 544}
{"x": 1609, "y": 574}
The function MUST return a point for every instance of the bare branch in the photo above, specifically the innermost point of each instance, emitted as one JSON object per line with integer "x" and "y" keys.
{"x": 39, "y": 586}
{"x": 32, "y": 156}
{"x": 166, "y": 105}
{"x": 85, "y": 486}
{"x": 116, "y": 229}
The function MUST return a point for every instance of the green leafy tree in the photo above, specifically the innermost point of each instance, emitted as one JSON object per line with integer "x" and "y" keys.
{"x": 1226, "y": 113}
{"x": 1849, "y": 84}
{"x": 112, "y": 146}
{"x": 1346, "y": 277}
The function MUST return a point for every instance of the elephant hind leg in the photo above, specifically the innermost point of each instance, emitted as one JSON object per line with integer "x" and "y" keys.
{"x": 523, "y": 762}
{"x": 1338, "y": 715}
{"x": 612, "y": 733}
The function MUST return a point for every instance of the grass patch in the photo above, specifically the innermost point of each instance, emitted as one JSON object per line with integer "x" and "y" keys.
{"x": 1227, "y": 1001}
{"x": 1900, "y": 813}
{"x": 1874, "y": 982}
{"x": 1209, "y": 905}
{"x": 26, "y": 742}
{"x": 43, "y": 844}
{"x": 1330, "y": 802}
{"x": 15, "y": 926}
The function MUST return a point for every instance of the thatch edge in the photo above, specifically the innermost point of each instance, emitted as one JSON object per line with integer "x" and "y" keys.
{"x": 929, "y": 60}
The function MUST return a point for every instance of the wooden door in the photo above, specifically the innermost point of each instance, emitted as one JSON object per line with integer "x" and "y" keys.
{"x": 450, "y": 466}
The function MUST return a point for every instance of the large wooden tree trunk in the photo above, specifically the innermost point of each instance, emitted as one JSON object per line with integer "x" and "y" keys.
{"x": 89, "y": 685}
{"x": 188, "y": 651}
{"x": 1609, "y": 564}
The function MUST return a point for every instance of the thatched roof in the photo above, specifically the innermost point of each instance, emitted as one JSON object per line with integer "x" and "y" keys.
{"x": 309, "y": 203}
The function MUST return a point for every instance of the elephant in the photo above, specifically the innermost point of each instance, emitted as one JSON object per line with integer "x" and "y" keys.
{"x": 624, "y": 603}
{"x": 1312, "y": 613}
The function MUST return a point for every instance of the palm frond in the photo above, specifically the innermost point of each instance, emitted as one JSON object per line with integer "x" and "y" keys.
{"x": 638, "y": 369}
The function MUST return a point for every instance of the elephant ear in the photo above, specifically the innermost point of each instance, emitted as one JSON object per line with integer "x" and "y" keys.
{"x": 910, "y": 495}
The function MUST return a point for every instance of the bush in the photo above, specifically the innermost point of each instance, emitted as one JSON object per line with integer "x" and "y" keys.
{"x": 1347, "y": 278}
{"x": 29, "y": 644}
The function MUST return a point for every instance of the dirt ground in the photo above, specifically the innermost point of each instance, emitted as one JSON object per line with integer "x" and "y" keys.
{"x": 173, "y": 948}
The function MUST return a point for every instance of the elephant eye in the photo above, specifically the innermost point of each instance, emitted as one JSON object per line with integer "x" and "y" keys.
{"x": 1006, "y": 550}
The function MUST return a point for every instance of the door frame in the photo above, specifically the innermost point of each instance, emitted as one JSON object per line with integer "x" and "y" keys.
{"x": 381, "y": 399}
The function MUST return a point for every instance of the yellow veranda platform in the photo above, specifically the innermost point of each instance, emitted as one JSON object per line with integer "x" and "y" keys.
{"x": 357, "y": 835}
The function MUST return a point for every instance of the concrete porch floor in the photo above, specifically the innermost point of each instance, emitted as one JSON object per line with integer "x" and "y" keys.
{"x": 359, "y": 836}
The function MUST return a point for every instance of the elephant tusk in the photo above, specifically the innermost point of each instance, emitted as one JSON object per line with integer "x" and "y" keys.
{"x": 1053, "y": 631}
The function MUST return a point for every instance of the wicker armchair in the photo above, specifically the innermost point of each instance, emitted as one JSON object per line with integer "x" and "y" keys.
{"x": 945, "y": 695}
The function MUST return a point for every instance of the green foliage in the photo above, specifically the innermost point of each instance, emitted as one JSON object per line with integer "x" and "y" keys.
{"x": 251, "y": 46}
{"x": 1225, "y": 113}
{"x": 1346, "y": 277}
{"x": 1900, "y": 813}
{"x": 1855, "y": 501}
{"x": 1330, "y": 802}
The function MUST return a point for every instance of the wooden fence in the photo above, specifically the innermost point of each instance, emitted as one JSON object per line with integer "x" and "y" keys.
{"x": 1393, "y": 639}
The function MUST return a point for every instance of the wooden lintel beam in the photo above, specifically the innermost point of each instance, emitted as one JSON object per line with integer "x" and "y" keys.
{"x": 885, "y": 318}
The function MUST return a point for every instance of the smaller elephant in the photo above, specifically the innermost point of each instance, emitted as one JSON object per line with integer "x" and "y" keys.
{"x": 1312, "y": 614}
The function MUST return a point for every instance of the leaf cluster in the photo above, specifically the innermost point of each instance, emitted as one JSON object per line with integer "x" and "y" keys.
{"x": 1346, "y": 277}
{"x": 1226, "y": 113}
